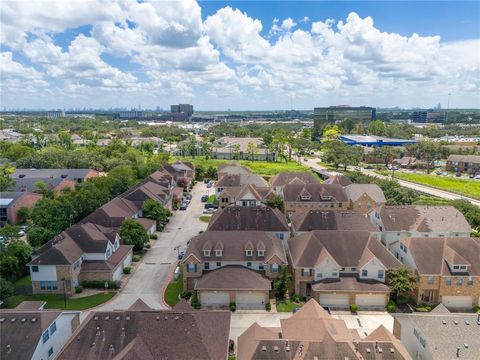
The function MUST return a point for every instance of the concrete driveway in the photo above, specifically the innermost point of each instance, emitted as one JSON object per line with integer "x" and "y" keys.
{"x": 154, "y": 271}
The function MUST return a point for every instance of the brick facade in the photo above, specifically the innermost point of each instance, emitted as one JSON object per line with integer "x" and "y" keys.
{"x": 440, "y": 288}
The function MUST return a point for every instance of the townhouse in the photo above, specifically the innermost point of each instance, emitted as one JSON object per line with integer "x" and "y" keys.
{"x": 365, "y": 197}
{"x": 241, "y": 148}
{"x": 233, "y": 266}
{"x": 232, "y": 169}
{"x": 401, "y": 222}
{"x": 298, "y": 195}
{"x": 143, "y": 333}
{"x": 439, "y": 334}
{"x": 238, "y": 181}
{"x": 448, "y": 269}
{"x": 30, "y": 332}
{"x": 461, "y": 163}
{"x": 75, "y": 176}
{"x": 240, "y": 218}
{"x": 309, "y": 220}
{"x": 278, "y": 181}
{"x": 11, "y": 202}
{"x": 341, "y": 268}
{"x": 83, "y": 252}
{"x": 338, "y": 179}
{"x": 312, "y": 333}
{"x": 246, "y": 195}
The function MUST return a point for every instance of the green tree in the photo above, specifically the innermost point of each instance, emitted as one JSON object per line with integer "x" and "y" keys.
{"x": 199, "y": 173}
{"x": 212, "y": 172}
{"x": 386, "y": 153}
{"x": 377, "y": 127}
{"x": 37, "y": 235}
{"x": 147, "y": 147}
{"x": 9, "y": 266}
{"x": 331, "y": 132}
{"x": 9, "y": 232}
{"x": 42, "y": 189}
{"x": 275, "y": 202}
{"x": 5, "y": 181}
{"x": 18, "y": 151}
{"x": 6, "y": 289}
{"x": 121, "y": 178}
{"x": 65, "y": 140}
{"x": 23, "y": 215}
{"x": 55, "y": 214}
{"x": 282, "y": 283}
{"x": 133, "y": 233}
{"x": 152, "y": 209}
{"x": 335, "y": 152}
{"x": 252, "y": 150}
{"x": 267, "y": 139}
{"x": 401, "y": 281}
{"x": 20, "y": 250}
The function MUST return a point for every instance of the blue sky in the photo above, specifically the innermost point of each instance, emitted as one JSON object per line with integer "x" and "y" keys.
{"x": 239, "y": 54}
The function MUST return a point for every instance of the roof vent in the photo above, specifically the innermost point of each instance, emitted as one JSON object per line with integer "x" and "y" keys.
{"x": 111, "y": 348}
{"x": 158, "y": 317}
{"x": 455, "y": 322}
{"x": 166, "y": 317}
{"x": 467, "y": 322}
{"x": 95, "y": 317}
{"x": 64, "y": 176}
{"x": 117, "y": 318}
{"x": 287, "y": 348}
{"x": 93, "y": 344}
{"x": 107, "y": 318}
{"x": 13, "y": 320}
{"x": 127, "y": 317}
{"x": 368, "y": 350}
{"x": 444, "y": 322}
{"x": 33, "y": 320}
{"x": 392, "y": 350}
{"x": 264, "y": 348}
{"x": 275, "y": 348}
{"x": 23, "y": 320}
{"x": 2, "y": 320}
{"x": 465, "y": 345}
{"x": 380, "y": 350}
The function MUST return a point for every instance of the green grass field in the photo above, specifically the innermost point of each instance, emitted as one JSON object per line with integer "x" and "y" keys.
{"x": 258, "y": 167}
{"x": 288, "y": 306}
{"x": 465, "y": 187}
{"x": 205, "y": 218}
{"x": 174, "y": 289}
{"x": 26, "y": 280}
{"x": 57, "y": 301}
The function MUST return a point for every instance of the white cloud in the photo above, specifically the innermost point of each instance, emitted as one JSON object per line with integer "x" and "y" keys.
{"x": 288, "y": 24}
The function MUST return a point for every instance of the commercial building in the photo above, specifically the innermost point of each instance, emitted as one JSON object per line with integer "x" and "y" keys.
{"x": 11, "y": 202}
{"x": 186, "y": 109}
{"x": 55, "y": 114}
{"x": 372, "y": 141}
{"x": 333, "y": 114}
{"x": 247, "y": 148}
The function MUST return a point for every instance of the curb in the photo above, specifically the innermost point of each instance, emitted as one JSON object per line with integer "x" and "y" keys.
{"x": 168, "y": 279}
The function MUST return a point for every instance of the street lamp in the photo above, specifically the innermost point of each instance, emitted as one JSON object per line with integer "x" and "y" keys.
{"x": 106, "y": 288}
{"x": 64, "y": 292}
{"x": 178, "y": 250}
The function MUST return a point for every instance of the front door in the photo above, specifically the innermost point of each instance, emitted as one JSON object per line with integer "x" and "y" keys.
{"x": 428, "y": 296}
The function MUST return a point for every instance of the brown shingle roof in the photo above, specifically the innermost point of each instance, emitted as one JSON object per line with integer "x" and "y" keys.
{"x": 292, "y": 191}
{"x": 423, "y": 218}
{"x": 350, "y": 284}
{"x": 282, "y": 179}
{"x": 465, "y": 158}
{"x": 60, "y": 251}
{"x": 240, "y": 180}
{"x": 346, "y": 247}
{"x": 111, "y": 263}
{"x": 330, "y": 220}
{"x": 431, "y": 254}
{"x": 248, "y": 218}
{"x": 113, "y": 213}
{"x": 233, "y": 244}
{"x": 338, "y": 179}
{"x": 355, "y": 191}
{"x": 151, "y": 334}
{"x": 233, "y": 277}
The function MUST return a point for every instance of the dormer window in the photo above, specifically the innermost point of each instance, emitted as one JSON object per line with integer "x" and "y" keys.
{"x": 306, "y": 197}
{"x": 248, "y": 252}
{"x": 261, "y": 252}
{"x": 326, "y": 197}
{"x": 206, "y": 253}
{"x": 218, "y": 253}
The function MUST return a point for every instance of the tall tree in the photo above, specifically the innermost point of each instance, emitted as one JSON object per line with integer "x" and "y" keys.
{"x": 401, "y": 281}
{"x": 133, "y": 233}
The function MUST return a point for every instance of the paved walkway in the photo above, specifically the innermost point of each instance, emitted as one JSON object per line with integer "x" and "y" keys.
{"x": 154, "y": 271}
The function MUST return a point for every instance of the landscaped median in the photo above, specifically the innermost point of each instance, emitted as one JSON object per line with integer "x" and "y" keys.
{"x": 58, "y": 301}
{"x": 174, "y": 289}
{"x": 288, "y": 305}
{"x": 470, "y": 188}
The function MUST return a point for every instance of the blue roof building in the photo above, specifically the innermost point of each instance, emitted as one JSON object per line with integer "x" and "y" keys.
{"x": 372, "y": 141}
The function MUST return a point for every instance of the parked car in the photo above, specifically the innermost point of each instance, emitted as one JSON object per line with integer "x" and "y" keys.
{"x": 444, "y": 173}
{"x": 206, "y": 181}
{"x": 204, "y": 198}
{"x": 477, "y": 177}
{"x": 183, "y": 206}
{"x": 369, "y": 167}
{"x": 439, "y": 172}
{"x": 458, "y": 174}
{"x": 21, "y": 233}
{"x": 189, "y": 196}
{"x": 209, "y": 185}
{"x": 305, "y": 159}
{"x": 2, "y": 240}
{"x": 471, "y": 176}
{"x": 211, "y": 206}
{"x": 23, "y": 228}
{"x": 209, "y": 211}
{"x": 181, "y": 254}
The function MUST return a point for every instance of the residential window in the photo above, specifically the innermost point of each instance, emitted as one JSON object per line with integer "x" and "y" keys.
{"x": 48, "y": 285}
{"x": 261, "y": 266}
{"x": 206, "y": 266}
{"x": 319, "y": 275}
{"x": 53, "y": 328}
{"x": 380, "y": 274}
{"x": 50, "y": 352}
{"x": 430, "y": 280}
{"x": 280, "y": 236}
{"x": 334, "y": 273}
{"x": 340, "y": 204}
{"x": 249, "y": 264}
{"x": 35, "y": 268}
{"x": 470, "y": 281}
{"x": 306, "y": 272}
{"x": 261, "y": 252}
{"x": 206, "y": 253}
{"x": 456, "y": 267}
{"x": 364, "y": 272}
{"x": 459, "y": 281}
{"x": 45, "y": 336}
{"x": 219, "y": 264}
{"x": 248, "y": 252}
{"x": 191, "y": 267}
{"x": 448, "y": 281}
{"x": 274, "y": 268}
{"x": 218, "y": 253}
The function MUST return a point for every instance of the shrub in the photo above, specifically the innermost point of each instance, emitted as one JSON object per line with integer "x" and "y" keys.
{"x": 78, "y": 289}
{"x": 148, "y": 246}
{"x": 194, "y": 301}
{"x": 232, "y": 307}
{"x": 100, "y": 284}
{"x": 295, "y": 298}
{"x": 476, "y": 309}
{"x": 154, "y": 236}
{"x": 127, "y": 270}
{"x": 391, "y": 306}
{"x": 268, "y": 306}
{"x": 186, "y": 295}
{"x": 423, "y": 308}
{"x": 354, "y": 308}
{"x": 136, "y": 258}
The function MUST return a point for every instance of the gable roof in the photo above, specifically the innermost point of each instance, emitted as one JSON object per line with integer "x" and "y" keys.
{"x": 355, "y": 191}
{"x": 233, "y": 277}
{"x": 347, "y": 248}
{"x": 151, "y": 334}
{"x": 338, "y": 179}
{"x": 309, "y": 220}
{"x": 233, "y": 169}
{"x": 423, "y": 218}
{"x": 465, "y": 158}
{"x": 292, "y": 191}
{"x": 261, "y": 218}
{"x": 50, "y": 173}
{"x": 113, "y": 213}
{"x": 431, "y": 255}
{"x": 283, "y": 178}
{"x": 240, "y": 180}
{"x": 233, "y": 244}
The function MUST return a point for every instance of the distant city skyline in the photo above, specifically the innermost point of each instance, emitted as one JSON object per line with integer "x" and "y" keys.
{"x": 243, "y": 55}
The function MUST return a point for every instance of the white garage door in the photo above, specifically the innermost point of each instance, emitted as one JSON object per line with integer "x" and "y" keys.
{"x": 117, "y": 275}
{"x": 457, "y": 301}
{"x": 370, "y": 300}
{"x": 211, "y": 298}
{"x": 334, "y": 300}
{"x": 252, "y": 300}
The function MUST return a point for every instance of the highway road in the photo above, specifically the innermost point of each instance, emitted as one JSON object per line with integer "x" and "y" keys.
{"x": 422, "y": 188}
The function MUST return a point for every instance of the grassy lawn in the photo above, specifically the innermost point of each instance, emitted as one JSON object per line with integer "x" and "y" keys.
{"x": 465, "y": 187}
{"x": 288, "y": 306}
{"x": 205, "y": 218}
{"x": 257, "y": 167}
{"x": 57, "y": 301}
{"x": 174, "y": 289}
{"x": 26, "y": 280}
{"x": 212, "y": 199}
{"x": 327, "y": 165}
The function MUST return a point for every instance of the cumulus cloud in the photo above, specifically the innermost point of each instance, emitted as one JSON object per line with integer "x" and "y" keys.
{"x": 164, "y": 48}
